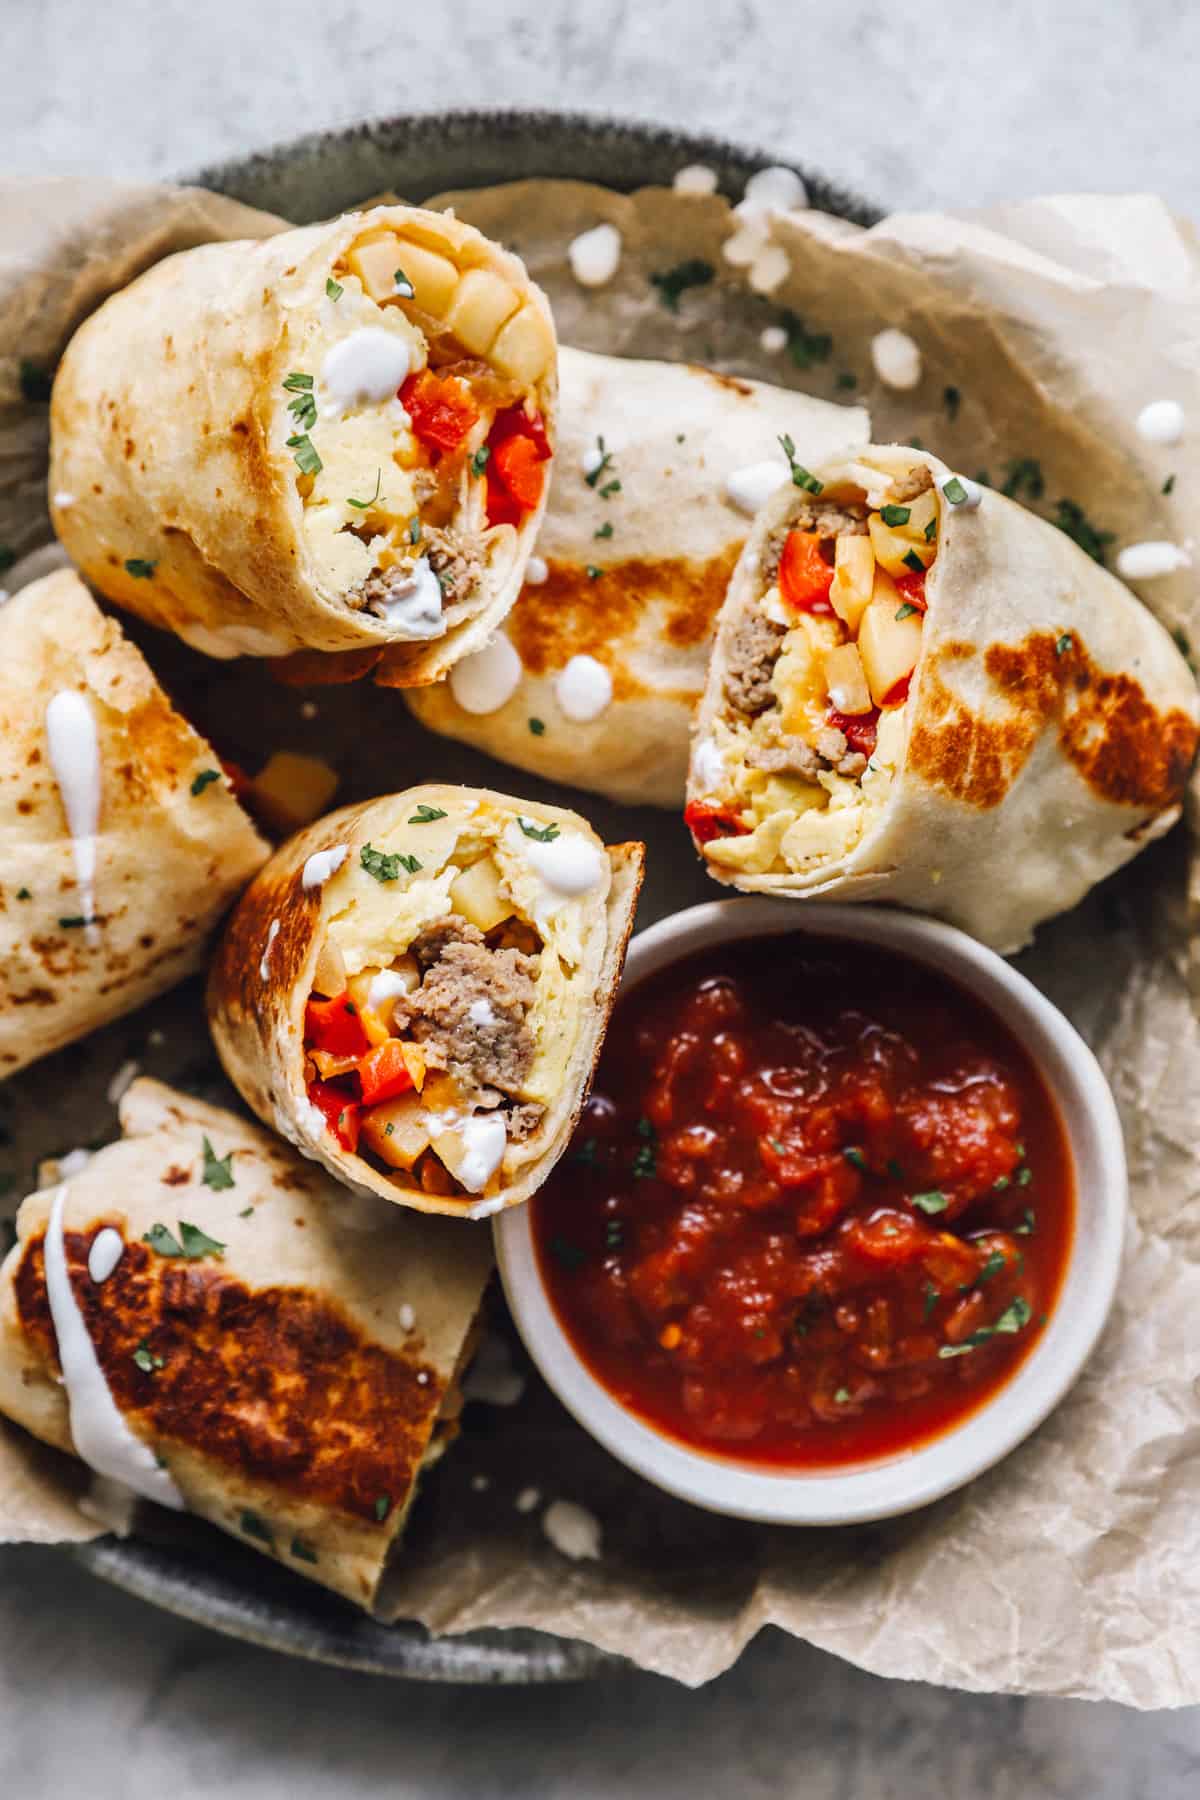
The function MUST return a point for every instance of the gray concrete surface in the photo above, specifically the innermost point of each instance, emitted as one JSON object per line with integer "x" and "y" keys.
{"x": 942, "y": 105}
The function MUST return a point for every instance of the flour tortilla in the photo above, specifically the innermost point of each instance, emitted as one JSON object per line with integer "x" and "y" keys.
{"x": 292, "y": 1407}
{"x": 168, "y": 862}
{"x": 649, "y": 616}
{"x": 1050, "y": 725}
{"x": 263, "y": 973}
{"x": 168, "y": 429}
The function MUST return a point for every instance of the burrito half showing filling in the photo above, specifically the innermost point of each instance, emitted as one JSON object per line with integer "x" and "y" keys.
{"x": 416, "y": 990}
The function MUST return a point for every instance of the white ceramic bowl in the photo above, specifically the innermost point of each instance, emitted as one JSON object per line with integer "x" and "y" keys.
{"x": 878, "y": 1489}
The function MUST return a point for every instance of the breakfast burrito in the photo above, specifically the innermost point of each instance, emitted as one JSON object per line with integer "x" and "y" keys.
{"x": 602, "y": 660}
{"x": 922, "y": 693}
{"x": 207, "y": 1321}
{"x": 121, "y": 843}
{"x": 336, "y": 437}
{"x": 415, "y": 989}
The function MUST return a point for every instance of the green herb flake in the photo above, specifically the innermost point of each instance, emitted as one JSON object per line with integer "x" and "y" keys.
{"x": 247, "y": 1212}
{"x": 614, "y": 1234}
{"x": 333, "y": 289}
{"x": 480, "y": 460}
{"x": 35, "y": 381}
{"x": 913, "y": 561}
{"x": 645, "y": 1159}
{"x": 894, "y": 1169}
{"x": 1063, "y": 644}
{"x": 954, "y": 491}
{"x": 541, "y": 834}
{"x": 801, "y": 477}
{"x": 362, "y": 505}
{"x": 303, "y": 409}
{"x": 538, "y": 727}
{"x": 204, "y": 779}
{"x": 1000, "y": 1183}
{"x": 1168, "y": 486}
{"x": 1071, "y": 519}
{"x": 932, "y": 1296}
{"x": 609, "y": 489}
{"x": 378, "y": 864}
{"x": 197, "y": 1244}
{"x": 1028, "y": 1223}
{"x": 383, "y": 1507}
{"x": 605, "y": 530}
{"x": 146, "y": 1360}
{"x": 951, "y": 400}
{"x": 856, "y": 1159}
{"x": 842, "y": 1397}
{"x": 258, "y": 1528}
{"x": 1024, "y": 476}
{"x": 404, "y": 286}
{"x": 895, "y": 515}
{"x": 906, "y": 611}
{"x": 932, "y": 1202}
{"x": 588, "y": 1153}
{"x": 297, "y": 382}
{"x": 303, "y": 1552}
{"x": 1014, "y": 1318}
{"x": 75, "y": 922}
{"x": 425, "y": 815}
{"x": 140, "y": 568}
{"x": 777, "y": 1146}
{"x": 593, "y": 573}
{"x": 414, "y": 530}
{"x": 846, "y": 380}
{"x": 995, "y": 1262}
{"x": 567, "y": 1253}
{"x": 24, "y": 894}
{"x": 307, "y": 460}
{"x": 162, "y": 1241}
{"x": 218, "y": 1175}
{"x": 672, "y": 283}
{"x": 931, "y": 530}
{"x": 806, "y": 347}
{"x": 1024, "y": 1177}
{"x": 605, "y": 458}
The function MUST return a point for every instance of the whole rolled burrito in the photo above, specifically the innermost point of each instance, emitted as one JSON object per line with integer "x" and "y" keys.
{"x": 208, "y": 1321}
{"x": 603, "y": 658}
{"x": 415, "y": 991}
{"x": 338, "y": 436}
{"x": 922, "y": 693}
{"x": 120, "y": 842}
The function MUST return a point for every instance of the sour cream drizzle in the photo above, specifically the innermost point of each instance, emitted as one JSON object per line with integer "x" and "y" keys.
{"x": 484, "y": 1138}
{"x": 365, "y": 368}
{"x": 99, "y": 1433}
{"x": 74, "y": 748}
{"x": 322, "y": 864}
{"x": 584, "y": 689}
{"x": 568, "y": 863}
{"x": 107, "y": 1249}
{"x": 484, "y": 681}
{"x": 416, "y": 609}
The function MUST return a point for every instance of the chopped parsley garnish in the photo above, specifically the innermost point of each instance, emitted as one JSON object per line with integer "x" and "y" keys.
{"x": 588, "y": 1153}
{"x": 931, "y": 530}
{"x": 1070, "y": 517}
{"x": 1024, "y": 1177}
{"x": 380, "y": 865}
{"x": 140, "y": 567}
{"x": 1000, "y": 1183}
{"x": 842, "y": 1396}
{"x": 777, "y": 1145}
{"x": 362, "y": 505}
{"x": 480, "y": 460}
{"x": 414, "y": 530}
{"x": 247, "y": 1212}
{"x": 1028, "y": 1222}
{"x": 645, "y": 1158}
{"x": 801, "y": 477}
{"x": 593, "y": 573}
{"x": 806, "y": 347}
{"x": 303, "y": 405}
{"x": 905, "y": 611}
{"x": 404, "y": 286}
{"x": 1168, "y": 485}
{"x": 24, "y": 894}
{"x": 146, "y": 1360}
{"x": 1024, "y": 476}
{"x": 303, "y": 1552}
{"x": 614, "y": 1234}
{"x": 671, "y": 283}
{"x": 543, "y": 834}
{"x": 192, "y": 1244}
{"x": 995, "y": 1262}
{"x": 333, "y": 288}
{"x": 894, "y": 1169}
{"x": 307, "y": 460}
{"x": 895, "y": 515}
{"x": 218, "y": 1174}
{"x": 609, "y": 489}
{"x": 8, "y": 557}
{"x": 383, "y": 1507}
{"x": 951, "y": 399}
{"x": 537, "y": 726}
{"x": 1014, "y": 1318}
{"x": 258, "y": 1528}
{"x": 204, "y": 779}
{"x": 846, "y": 380}
{"x": 75, "y": 922}
{"x": 567, "y": 1253}
{"x": 932, "y": 1296}
{"x": 593, "y": 475}
{"x": 35, "y": 381}
{"x": 932, "y": 1202}
{"x": 605, "y": 530}
{"x": 425, "y": 815}
{"x": 297, "y": 382}
{"x": 913, "y": 561}
{"x": 856, "y": 1159}
{"x": 954, "y": 491}
{"x": 1063, "y": 644}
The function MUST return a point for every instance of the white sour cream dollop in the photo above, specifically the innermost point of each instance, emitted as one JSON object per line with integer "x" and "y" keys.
{"x": 99, "y": 1433}
{"x": 386, "y": 988}
{"x": 897, "y": 359}
{"x": 972, "y": 493}
{"x": 584, "y": 689}
{"x": 1142, "y": 562}
{"x": 414, "y": 609}
{"x": 484, "y": 681}
{"x": 772, "y": 339}
{"x": 537, "y": 570}
{"x": 322, "y": 864}
{"x": 695, "y": 178}
{"x": 708, "y": 766}
{"x": 1161, "y": 422}
{"x": 568, "y": 864}
{"x": 365, "y": 368}
{"x": 595, "y": 255}
{"x": 752, "y": 485}
{"x": 484, "y": 1138}
{"x": 574, "y": 1532}
{"x": 74, "y": 748}
{"x": 105, "y": 1252}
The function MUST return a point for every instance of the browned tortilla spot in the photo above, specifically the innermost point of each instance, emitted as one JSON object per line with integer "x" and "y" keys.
{"x": 273, "y": 1381}
{"x": 1128, "y": 752}
{"x": 729, "y": 382}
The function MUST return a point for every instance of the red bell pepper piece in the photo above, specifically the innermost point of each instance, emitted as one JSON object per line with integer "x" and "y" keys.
{"x": 805, "y": 578}
{"x": 860, "y": 730}
{"x": 334, "y": 1025}
{"x": 514, "y": 421}
{"x": 706, "y": 822}
{"x": 441, "y": 408}
{"x": 518, "y": 466}
{"x": 342, "y": 1114}
{"x": 503, "y": 508}
{"x": 384, "y": 1073}
{"x": 912, "y": 588}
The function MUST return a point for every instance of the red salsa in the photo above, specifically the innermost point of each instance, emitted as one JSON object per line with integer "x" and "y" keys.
{"x": 817, "y": 1209}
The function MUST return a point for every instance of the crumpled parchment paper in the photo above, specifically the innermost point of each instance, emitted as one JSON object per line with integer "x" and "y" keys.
{"x": 1074, "y": 1567}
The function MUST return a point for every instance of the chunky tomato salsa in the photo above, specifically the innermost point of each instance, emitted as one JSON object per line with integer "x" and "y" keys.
{"x": 817, "y": 1209}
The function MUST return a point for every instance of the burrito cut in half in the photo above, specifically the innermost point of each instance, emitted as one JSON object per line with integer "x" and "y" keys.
{"x": 206, "y": 1320}
{"x": 337, "y": 437}
{"x": 121, "y": 843}
{"x": 922, "y": 693}
{"x": 415, "y": 989}
{"x": 659, "y": 468}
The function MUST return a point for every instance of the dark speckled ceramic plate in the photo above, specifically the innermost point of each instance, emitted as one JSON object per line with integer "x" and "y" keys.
{"x": 187, "y": 1568}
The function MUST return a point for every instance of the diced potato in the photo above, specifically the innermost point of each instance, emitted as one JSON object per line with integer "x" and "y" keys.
{"x": 397, "y": 1131}
{"x": 920, "y": 512}
{"x": 889, "y": 648}
{"x": 846, "y": 680}
{"x": 482, "y": 302}
{"x": 375, "y": 260}
{"x": 799, "y": 678}
{"x": 853, "y": 576}
{"x": 292, "y": 790}
{"x": 885, "y": 590}
{"x": 893, "y": 550}
{"x": 414, "y": 1062}
{"x": 524, "y": 347}
{"x": 433, "y": 278}
{"x": 476, "y": 895}
{"x": 329, "y": 976}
